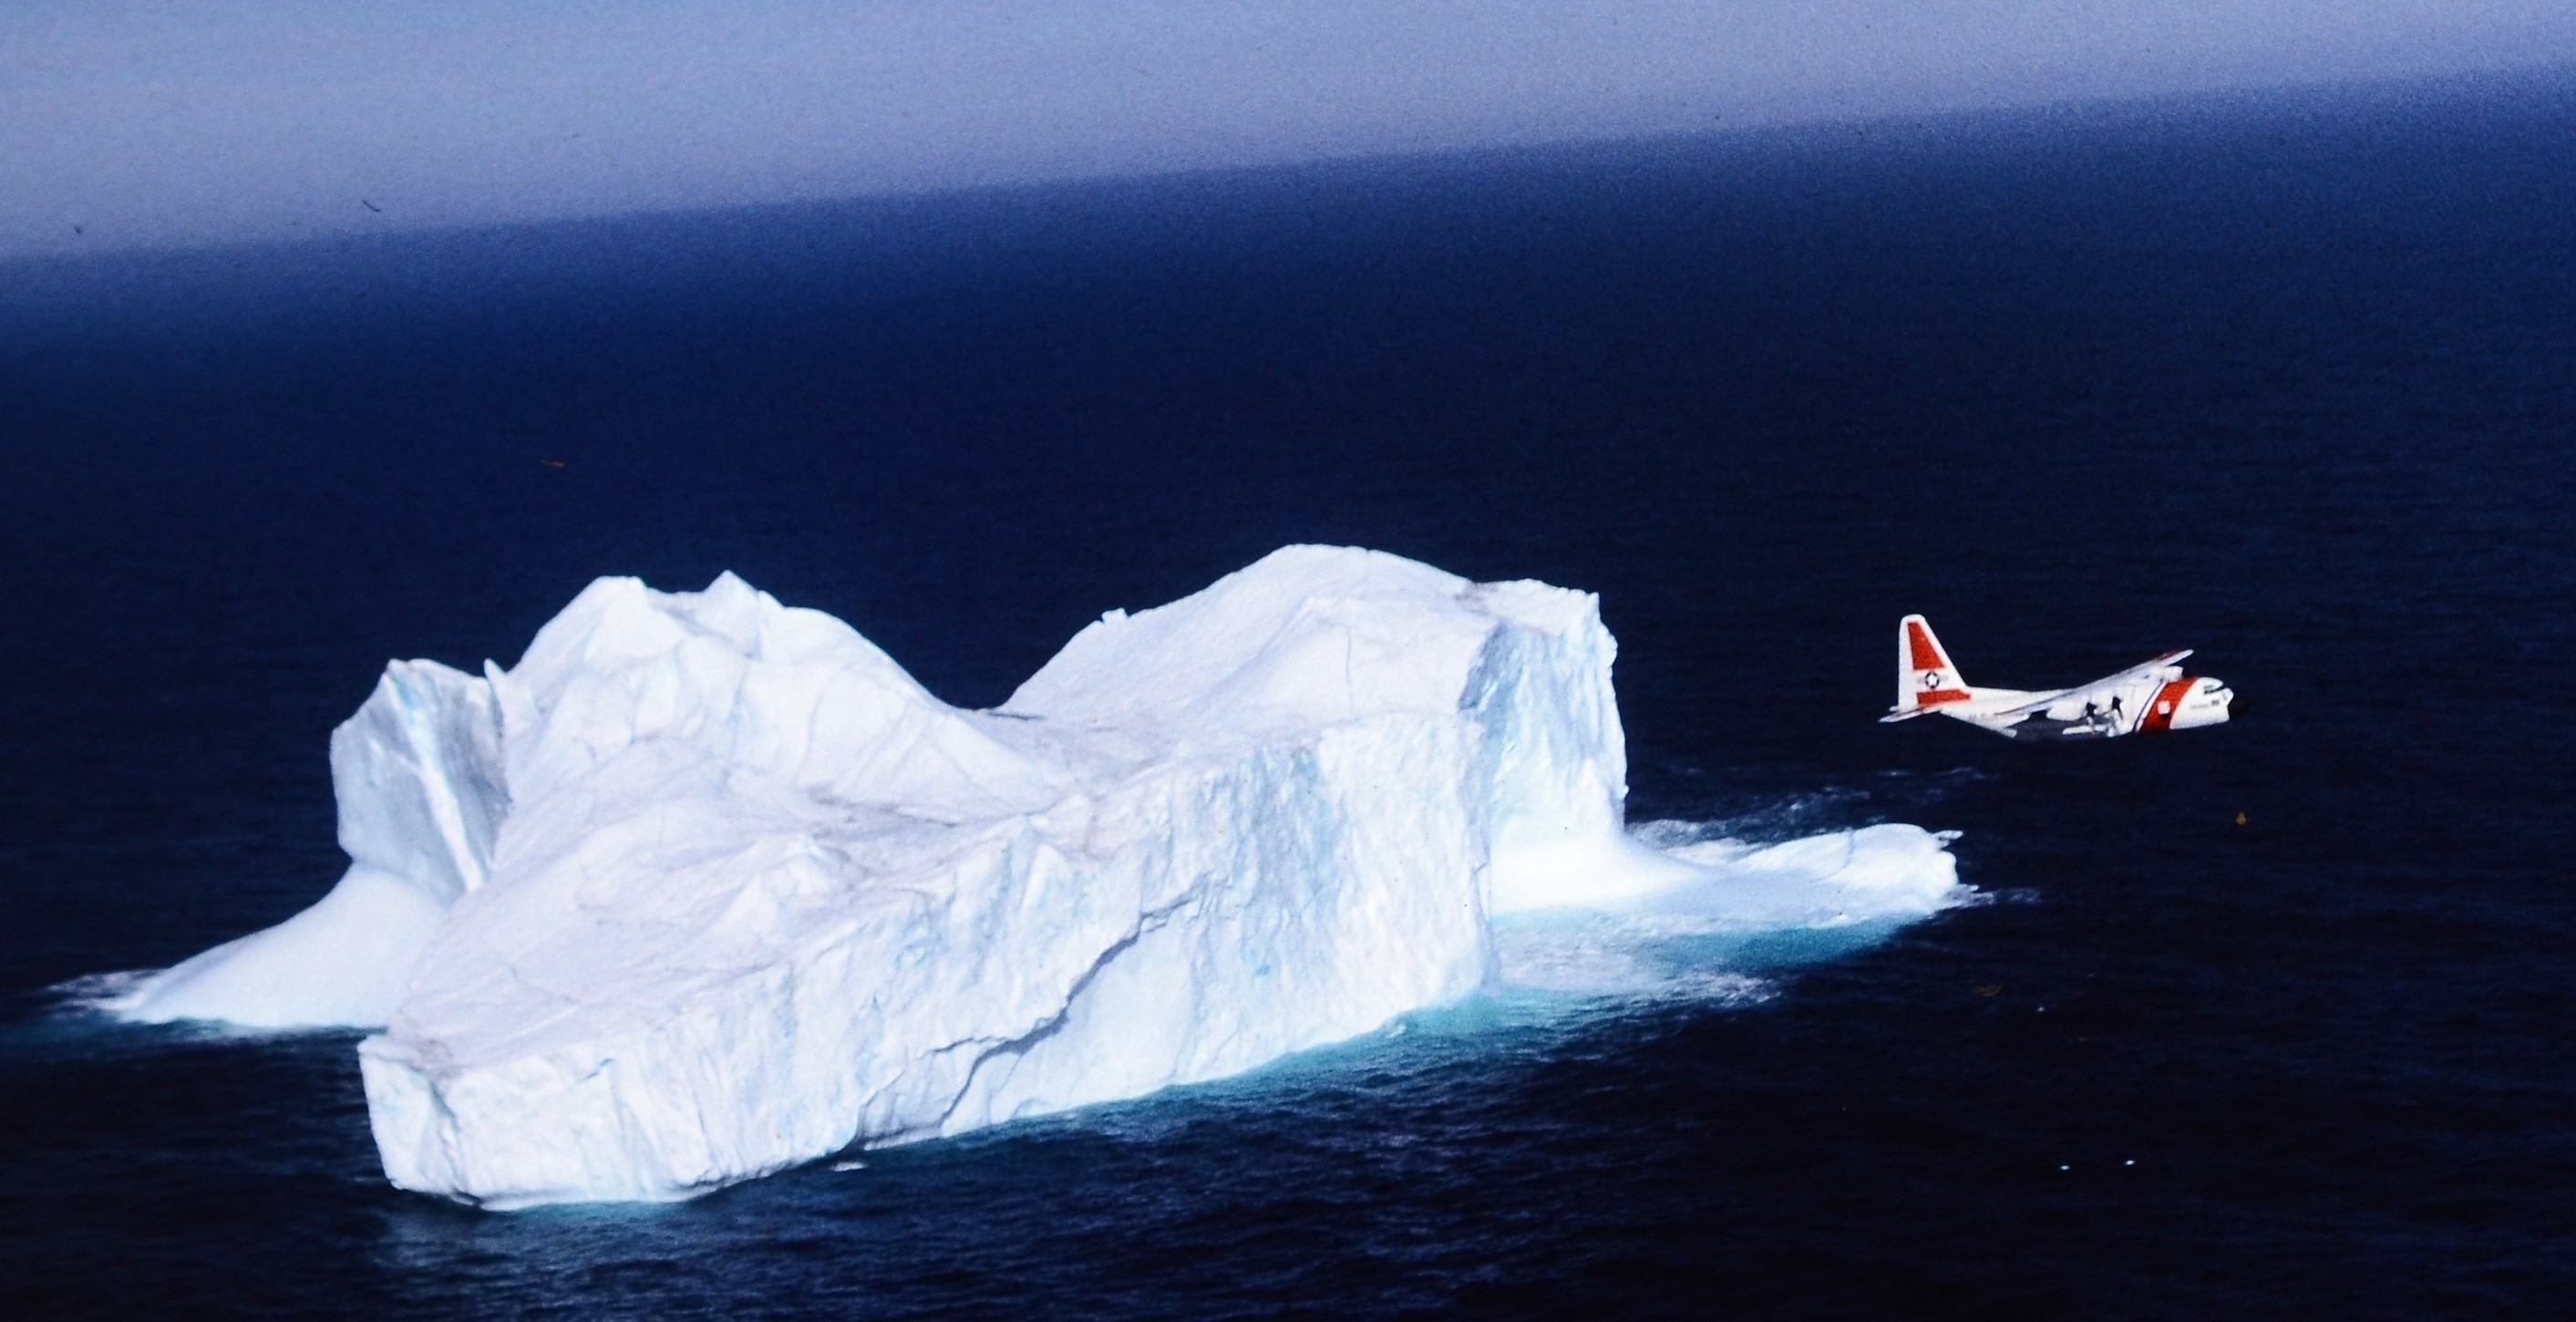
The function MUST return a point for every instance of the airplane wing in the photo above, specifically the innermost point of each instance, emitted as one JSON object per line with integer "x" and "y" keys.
{"x": 2042, "y": 701}
{"x": 2139, "y": 669}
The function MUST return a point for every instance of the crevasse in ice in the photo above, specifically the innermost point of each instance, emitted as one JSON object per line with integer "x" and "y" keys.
{"x": 706, "y": 886}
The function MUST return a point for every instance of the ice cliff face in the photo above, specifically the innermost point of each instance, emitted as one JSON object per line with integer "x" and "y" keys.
{"x": 707, "y": 886}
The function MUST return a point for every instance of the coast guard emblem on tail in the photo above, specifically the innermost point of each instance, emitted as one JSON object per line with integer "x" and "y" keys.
{"x": 1924, "y": 675}
{"x": 2143, "y": 699}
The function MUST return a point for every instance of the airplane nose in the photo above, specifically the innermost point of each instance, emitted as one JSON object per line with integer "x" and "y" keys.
{"x": 2235, "y": 707}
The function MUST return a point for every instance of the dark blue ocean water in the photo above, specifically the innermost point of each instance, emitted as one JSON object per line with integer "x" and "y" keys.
{"x": 2291, "y": 380}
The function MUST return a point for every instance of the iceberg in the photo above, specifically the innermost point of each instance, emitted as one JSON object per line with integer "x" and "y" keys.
{"x": 707, "y": 886}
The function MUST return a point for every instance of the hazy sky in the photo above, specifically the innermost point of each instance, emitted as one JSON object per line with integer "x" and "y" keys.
{"x": 125, "y": 123}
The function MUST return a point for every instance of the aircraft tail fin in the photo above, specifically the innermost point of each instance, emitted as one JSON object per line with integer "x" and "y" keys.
{"x": 1924, "y": 676}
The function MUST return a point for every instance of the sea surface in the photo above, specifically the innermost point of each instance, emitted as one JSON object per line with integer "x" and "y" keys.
{"x": 2276, "y": 1019}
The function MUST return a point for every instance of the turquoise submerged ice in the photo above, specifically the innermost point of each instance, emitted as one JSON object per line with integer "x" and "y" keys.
{"x": 706, "y": 886}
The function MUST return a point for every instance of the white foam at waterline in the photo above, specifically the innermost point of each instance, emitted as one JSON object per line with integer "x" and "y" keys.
{"x": 98, "y": 991}
{"x": 1690, "y": 919}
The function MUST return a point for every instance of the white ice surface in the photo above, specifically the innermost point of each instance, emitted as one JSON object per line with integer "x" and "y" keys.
{"x": 417, "y": 775}
{"x": 706, "y": 886}
{"x": 1652, "y": 928}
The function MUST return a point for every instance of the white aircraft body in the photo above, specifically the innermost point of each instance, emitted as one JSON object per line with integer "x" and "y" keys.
{"x": 2143, "y": 699}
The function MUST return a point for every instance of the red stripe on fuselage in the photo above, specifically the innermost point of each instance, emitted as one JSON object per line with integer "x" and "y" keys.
{"x": 2160, "y": 709}
{"x": 1926, "y": 656}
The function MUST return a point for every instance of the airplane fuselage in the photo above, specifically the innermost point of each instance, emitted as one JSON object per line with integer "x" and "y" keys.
{"x": 2144, "y": 705}
{"x": 2145, "y": 699}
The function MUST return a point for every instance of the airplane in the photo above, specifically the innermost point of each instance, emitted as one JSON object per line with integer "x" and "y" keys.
{"x": 2143, "y": 699}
